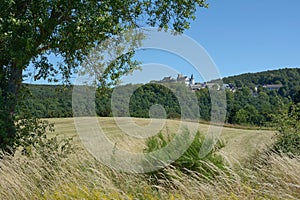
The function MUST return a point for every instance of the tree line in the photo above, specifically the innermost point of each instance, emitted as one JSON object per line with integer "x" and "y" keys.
{"x": 245, "y": 106}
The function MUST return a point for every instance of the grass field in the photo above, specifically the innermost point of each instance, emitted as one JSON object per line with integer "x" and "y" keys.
{"x": 240, "y": 143}
{"x": 254, "y": 175}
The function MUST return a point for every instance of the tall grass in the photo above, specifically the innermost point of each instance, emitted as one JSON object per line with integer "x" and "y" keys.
{"x": 79, "y": 176}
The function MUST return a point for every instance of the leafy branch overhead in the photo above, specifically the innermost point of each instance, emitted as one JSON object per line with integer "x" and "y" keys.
{"x": 31, "y": 31}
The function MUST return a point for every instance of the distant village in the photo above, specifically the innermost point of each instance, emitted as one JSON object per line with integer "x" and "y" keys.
{"x": 190, "y": 82}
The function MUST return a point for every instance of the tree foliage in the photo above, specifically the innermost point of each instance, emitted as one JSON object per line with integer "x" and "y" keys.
{"x": 243, "y": 107}
{"x": 288, "y": 127}
{"x": 288, "y": 77}
{"x": 31, "y": 30}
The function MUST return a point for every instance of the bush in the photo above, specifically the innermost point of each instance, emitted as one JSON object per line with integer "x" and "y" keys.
{"x": 288, "y": 136}
{"x": 209, "y": 166}
{"x": 174, "y": 115}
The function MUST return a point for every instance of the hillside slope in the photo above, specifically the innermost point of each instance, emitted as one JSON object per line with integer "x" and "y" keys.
{"x": 288, "y": 77}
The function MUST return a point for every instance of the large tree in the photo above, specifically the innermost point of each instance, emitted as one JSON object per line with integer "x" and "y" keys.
{"x": 30, "y": 30}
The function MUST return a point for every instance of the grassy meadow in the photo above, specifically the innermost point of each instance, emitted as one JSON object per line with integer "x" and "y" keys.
{"x": 240, "y": 143}
{"x": 251, "y": 172}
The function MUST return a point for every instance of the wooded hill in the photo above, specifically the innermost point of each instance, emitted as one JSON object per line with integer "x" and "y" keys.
{"x": 288, "y": 77}
{"x": 245, "y": 106}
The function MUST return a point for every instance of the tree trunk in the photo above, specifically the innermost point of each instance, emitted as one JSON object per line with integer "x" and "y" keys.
{"x": 11, "y": 80}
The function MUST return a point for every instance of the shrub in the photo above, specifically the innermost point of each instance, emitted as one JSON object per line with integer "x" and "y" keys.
{"x": 174, "y": 115}
{"x": 288, "y": 136}
{"x": 209, "y": 166}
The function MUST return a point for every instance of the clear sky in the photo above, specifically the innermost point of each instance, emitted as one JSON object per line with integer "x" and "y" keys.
{"x": 249, "y": 35}
{"x": 240, "y": 36}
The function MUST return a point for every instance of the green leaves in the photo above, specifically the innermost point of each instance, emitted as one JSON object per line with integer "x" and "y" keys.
{"x": 32, "y": 30}
{"x": 288, "y": 126}
{"x": 190, "y": 160}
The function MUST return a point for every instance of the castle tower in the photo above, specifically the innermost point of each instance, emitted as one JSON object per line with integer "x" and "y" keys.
{"x": 192, "y": 81}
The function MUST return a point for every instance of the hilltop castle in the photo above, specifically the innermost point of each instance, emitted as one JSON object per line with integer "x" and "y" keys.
{"x": 189, "y": 81}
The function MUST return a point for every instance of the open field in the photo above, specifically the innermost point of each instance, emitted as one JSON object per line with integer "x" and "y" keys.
{"x": 78, "y": 176}
{"x": 240, "y": 143}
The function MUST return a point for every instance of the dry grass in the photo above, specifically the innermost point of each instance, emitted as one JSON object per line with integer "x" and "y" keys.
{"x": 79, "y": 176}
{"x": 240, "y": 143}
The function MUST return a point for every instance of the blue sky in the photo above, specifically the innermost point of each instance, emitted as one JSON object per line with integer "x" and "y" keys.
{"x": 239, "y": 35}
{"x": 249, "y": 36}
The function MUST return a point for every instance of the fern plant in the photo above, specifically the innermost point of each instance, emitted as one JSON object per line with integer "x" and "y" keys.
{"x": 190, "y": 161}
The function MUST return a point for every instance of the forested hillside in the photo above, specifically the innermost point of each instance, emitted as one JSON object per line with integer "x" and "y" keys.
{"x": 47, "y": 101}
{"x": 288, "y": 77}
{"x": 249, "y": 104}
